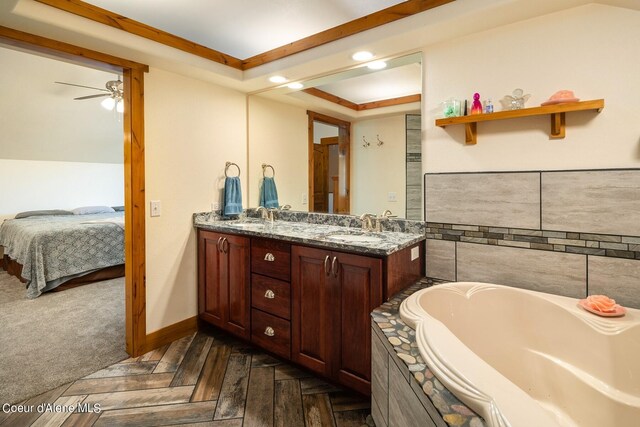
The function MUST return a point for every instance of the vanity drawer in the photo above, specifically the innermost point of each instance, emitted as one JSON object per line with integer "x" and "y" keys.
{"x": 271, "y": 258}
{"x": 271, "y": 333}
{"x": 271, "y": 295}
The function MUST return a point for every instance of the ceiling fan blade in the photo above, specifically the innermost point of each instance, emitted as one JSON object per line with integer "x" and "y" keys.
{"x": 86, "y": 87}
{"x": 100, "y": 95}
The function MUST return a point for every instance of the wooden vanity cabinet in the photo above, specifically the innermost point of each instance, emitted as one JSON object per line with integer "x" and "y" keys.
{"x": 333, "y": 294}
{"x": 305, "y": 304}
{"x": 223, "y": 276}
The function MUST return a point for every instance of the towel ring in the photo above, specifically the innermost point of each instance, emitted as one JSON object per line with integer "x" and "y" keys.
{"x": 227, "y": 166}
{"x": 264, "y": 170}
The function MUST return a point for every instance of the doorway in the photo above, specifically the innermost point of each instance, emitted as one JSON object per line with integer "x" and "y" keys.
{"x": 329, "y": 164}
{"x": 134, "y": 182}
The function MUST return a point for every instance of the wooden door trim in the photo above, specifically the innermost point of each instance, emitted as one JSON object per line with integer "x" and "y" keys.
{"x": 330, "y": 140}
{"x": 312, "y": 116}
{"x": 133, "y": 119}
{"x": 367, "y": 22}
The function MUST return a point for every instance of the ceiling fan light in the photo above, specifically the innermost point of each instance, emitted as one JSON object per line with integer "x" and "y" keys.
{"x": 108, "y": 103}
{"x": 120, "y": 106}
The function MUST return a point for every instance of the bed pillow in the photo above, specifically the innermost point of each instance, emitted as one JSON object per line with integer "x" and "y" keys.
{"x": 27, "y": 214}
{"x": 118, "y": 208}
{"x": 85, "y": 210}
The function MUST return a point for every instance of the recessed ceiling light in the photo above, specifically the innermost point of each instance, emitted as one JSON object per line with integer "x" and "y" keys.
{"x": 377, "y": 65}
{"x": 277, "y": 79}
{"x": 295, "y": 85}
{"x": 363, "y": 55}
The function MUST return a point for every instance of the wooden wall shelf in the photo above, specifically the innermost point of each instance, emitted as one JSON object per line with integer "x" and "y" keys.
{"x": 556, "y": 112}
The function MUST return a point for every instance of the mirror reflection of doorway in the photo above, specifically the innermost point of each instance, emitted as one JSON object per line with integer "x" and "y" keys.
{"x": 329, "y": 157}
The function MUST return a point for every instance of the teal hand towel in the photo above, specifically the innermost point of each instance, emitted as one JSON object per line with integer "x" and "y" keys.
{"x": 269, "y": 193}
{"x": 232, "y": 197}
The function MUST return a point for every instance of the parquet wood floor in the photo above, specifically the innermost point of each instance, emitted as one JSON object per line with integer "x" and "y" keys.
{"x": 204, "y": 380}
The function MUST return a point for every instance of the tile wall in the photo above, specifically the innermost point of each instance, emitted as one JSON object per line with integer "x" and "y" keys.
{"x": 572, "y": 233}
{"x": 414, "y": 167}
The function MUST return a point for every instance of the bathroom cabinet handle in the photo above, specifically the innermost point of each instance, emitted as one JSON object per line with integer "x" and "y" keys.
{"x": 225, "y": 249}
{"x": 326, "y": 265}
{"x": 335, "y": 266}
{"x": 219, "y": 240}
{"x": 269, "y": 294}
{"x": 269, "y": 331}
{"x": 269, "y": 257}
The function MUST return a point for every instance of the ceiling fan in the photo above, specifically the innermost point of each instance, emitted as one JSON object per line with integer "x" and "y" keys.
{"x": 114, "y": 91}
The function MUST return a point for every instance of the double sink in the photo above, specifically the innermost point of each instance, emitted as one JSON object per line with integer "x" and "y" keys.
{"x": 349, "y": 235}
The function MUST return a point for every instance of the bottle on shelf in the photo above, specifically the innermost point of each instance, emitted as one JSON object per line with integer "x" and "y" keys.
{"x": 488, "y": 106}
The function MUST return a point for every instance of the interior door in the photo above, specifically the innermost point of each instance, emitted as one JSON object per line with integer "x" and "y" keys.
{"x": 344, "y": 173}
{"x": 320, "y": 174}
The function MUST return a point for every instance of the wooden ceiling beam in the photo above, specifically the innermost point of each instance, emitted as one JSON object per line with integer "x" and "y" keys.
{"x": 366, "y": 106}
{"x": 103, "y": 16}
{"x": 331, "y": 98}
{"x": 385, "y": 16}
{"x": 376, "y": 19}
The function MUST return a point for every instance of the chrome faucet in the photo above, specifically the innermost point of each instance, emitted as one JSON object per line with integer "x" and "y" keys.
{"x": 265, "y": 213}
{"x": 367, "y": 223}
{"x": 378, "y": 220}
{"x": 285, "y": 207}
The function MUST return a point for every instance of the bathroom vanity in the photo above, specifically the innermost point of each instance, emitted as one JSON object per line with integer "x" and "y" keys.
{"x": 304, "y": 290}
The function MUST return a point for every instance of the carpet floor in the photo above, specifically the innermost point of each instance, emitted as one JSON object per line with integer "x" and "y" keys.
{"x": 58, "y": 337}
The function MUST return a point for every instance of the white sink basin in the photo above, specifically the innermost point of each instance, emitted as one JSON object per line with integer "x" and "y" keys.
{"x": 253, "y": 225}
{"x": 355, "y": 238}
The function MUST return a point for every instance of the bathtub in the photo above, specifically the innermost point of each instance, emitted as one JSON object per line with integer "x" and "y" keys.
{"x": 522, "y": 358}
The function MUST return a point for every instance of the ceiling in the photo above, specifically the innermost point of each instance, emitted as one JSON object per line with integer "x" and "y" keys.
{"x": 244, "y": 28}
{"x": 247, "y": 28}
{"x": 252, "y": 26}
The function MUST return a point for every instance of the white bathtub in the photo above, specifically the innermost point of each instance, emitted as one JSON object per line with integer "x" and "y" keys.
{"x": 522, "y": 358}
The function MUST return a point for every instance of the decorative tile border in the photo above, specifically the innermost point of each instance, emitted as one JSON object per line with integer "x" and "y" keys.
{"x": 402, "y": 338}
{"x": 608, "y": 245}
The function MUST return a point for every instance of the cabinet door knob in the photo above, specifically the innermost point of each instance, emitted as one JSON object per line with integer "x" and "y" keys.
{"x": 269, "y": 294}
{"x": 269, "y": 257}
{"x": 219, "y": 240}
{"x": 335, "y": 266}
{"x": 269, "y": 331}
{"x": 326, "y": 265}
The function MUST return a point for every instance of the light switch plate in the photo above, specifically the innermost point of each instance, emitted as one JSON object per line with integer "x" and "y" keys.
{"x": 304, "y": 198}
{"x": 155, "y": 207}
{"x": 392, "y": 196}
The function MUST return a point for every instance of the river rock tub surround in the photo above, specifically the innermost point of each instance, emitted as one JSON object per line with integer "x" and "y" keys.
{"x": 319, "y": 230}
{"x": 401, "y": 339}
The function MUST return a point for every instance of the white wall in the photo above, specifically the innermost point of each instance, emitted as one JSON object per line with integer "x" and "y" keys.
{"x": 55, "y": 152}
{"x": 191, "y": 129}
{"x": 33, "y": 185}
{"x": 376, "y": 171}
{"x": 592, "y": 50}
{"x": 278, "y": 136}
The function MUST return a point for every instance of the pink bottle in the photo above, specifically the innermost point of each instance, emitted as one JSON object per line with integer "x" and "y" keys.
{"x": 476, "y": 107}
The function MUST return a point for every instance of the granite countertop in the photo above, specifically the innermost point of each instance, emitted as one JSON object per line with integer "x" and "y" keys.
{"x": 324, "y": 233}
{"x": 403, "y": 340}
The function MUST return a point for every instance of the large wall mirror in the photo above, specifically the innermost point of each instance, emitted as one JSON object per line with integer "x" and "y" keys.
{"x": 347, "y": 142}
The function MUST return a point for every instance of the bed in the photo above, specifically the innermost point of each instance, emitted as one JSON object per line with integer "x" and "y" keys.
{"x": 46, "y": 251}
